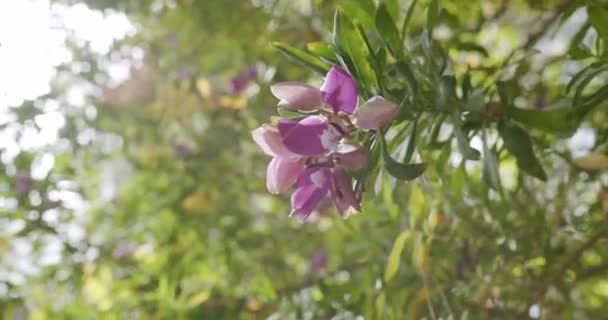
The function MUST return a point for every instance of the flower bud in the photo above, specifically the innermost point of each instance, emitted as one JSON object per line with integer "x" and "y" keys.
{"x": 297, "y": 96}
{"x": 375, "y": 113}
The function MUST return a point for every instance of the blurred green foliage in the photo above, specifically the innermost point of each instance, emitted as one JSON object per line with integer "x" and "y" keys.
{"x": 507, "y": 221}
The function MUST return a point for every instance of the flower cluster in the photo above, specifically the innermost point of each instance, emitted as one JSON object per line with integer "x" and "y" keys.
{"x": 316, "y": 153}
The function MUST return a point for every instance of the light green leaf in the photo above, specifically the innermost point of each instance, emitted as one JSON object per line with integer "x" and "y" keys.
{"x": 392, "y": 265}
{"x": 302, "y": 57}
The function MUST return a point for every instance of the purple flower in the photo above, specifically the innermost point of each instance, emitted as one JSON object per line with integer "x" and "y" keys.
{"x": 315, "y": 153}
{"x": 342, "y": 194}
{"x": 318, "y": 261}
{"x": 240, "y": 82}
{"x": 351, "y": 157}
{"x": 309, "y": 137}
{"x": 313, "y": 185}
{"x": 23, "y": 182}
{"x": 338, "y": 91}
{"x": 282, "y": 173}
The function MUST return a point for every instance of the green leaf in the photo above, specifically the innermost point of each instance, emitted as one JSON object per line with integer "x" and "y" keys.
{"x": 405, "y": 69}
{"x": 399, "y": 170}
{"x": 563, "y": 121}
{"x": 353, "y": 46}
{"x": 519, "y": 144}
{"x": 580, "y": 75}
{"x": 432, "y": 16}
{"x": 291, "y": 114}
{"x": 392, "y": 265}
{"x": 467, "y": 151}
{"x": 411, "y": 143}
{"x": 408, "y": 18}
{"x": 388, "y": 30}
{"x": 490, "y": 166}
{"x": 597, "y": 17}
{"x": 360, "y": 11}
{"x": 445, "y": 91}
{"x": 585, "y": 81}
{"x": 302, "y": 57}
{"x": 507, "y": 90}
{"x": 324, "y": 50}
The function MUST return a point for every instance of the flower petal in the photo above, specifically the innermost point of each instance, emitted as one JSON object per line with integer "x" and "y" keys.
{"x": 311, "y": 136}
{"x": 297, "y": 96}
{"x": 375, "y": 113}
{"x": 352, "y": 157}
{"x": 284, "y": 125}
{"x": 270, "y": 141}
{"x": 342, "y": 194}
{"x": 282, "y": 174}
{"x": 313, "y": 185}
{"x": 339, "y": 91}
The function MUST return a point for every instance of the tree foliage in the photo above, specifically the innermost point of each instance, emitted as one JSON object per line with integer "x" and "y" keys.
{"x": 486, "y": 198}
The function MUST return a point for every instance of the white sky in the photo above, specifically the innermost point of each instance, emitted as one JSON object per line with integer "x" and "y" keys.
{"x": 32, "y": 37}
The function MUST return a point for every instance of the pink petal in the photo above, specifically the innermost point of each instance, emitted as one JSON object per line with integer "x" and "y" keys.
{"x": 375, "y": 113}
{"x": 313, "y": 185}
{"x": 297, "y": 96}
{"x": 339, "y": 91}
{"x": 311, "y": 136}
{"x": 270, "y": 141}
{"x": 282, "y": 174}
{"x": 342, "y": 194}
{"x": 352, "y": 157}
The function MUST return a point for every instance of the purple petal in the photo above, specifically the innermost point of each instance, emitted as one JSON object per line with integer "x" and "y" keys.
{"x": 282, "y": 174}
{"x": 284, "y": 125}
{"x": 311, "y": 136}
{"x": 352, "y": 157}
{"x": 313, "y": 185}
{"x": 342, "y": 194}
{"x": 339, "y": 91}
{"x": 297, "y": 96}
{"x": 375, "y": 113}
{"x": 270, "y": 141}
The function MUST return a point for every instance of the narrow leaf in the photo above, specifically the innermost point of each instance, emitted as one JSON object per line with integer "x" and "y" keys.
{"x": 399, "y": 170}
{"x": 392, "y": 265}
{"x": 519, "y": 144}
{"x": 302, "y": 57}
{"x": 324, "y": 50}
{"x": 388, "y": 30}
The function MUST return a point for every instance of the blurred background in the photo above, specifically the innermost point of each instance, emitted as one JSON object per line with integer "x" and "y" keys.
{"x": 130, "y": 187}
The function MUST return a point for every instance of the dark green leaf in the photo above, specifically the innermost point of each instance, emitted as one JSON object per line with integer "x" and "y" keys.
{"x": 519, "y": 144}
{"x": 586, "y": 80}
{"x": 562, "y": 121}
{"x": 302, "y": 57}
{"x": 411, "y": 143}
{"x": 490, "y": 166}
{"x": 399, "y": 170}
{"x": 597, "y": 17}
{"x": 432, "y": 15}
{"x": 408, "y": 17}
{"x": 445, "y": 91}
{"x": 388, "y": 30}
{"x": 507, "y": 90}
